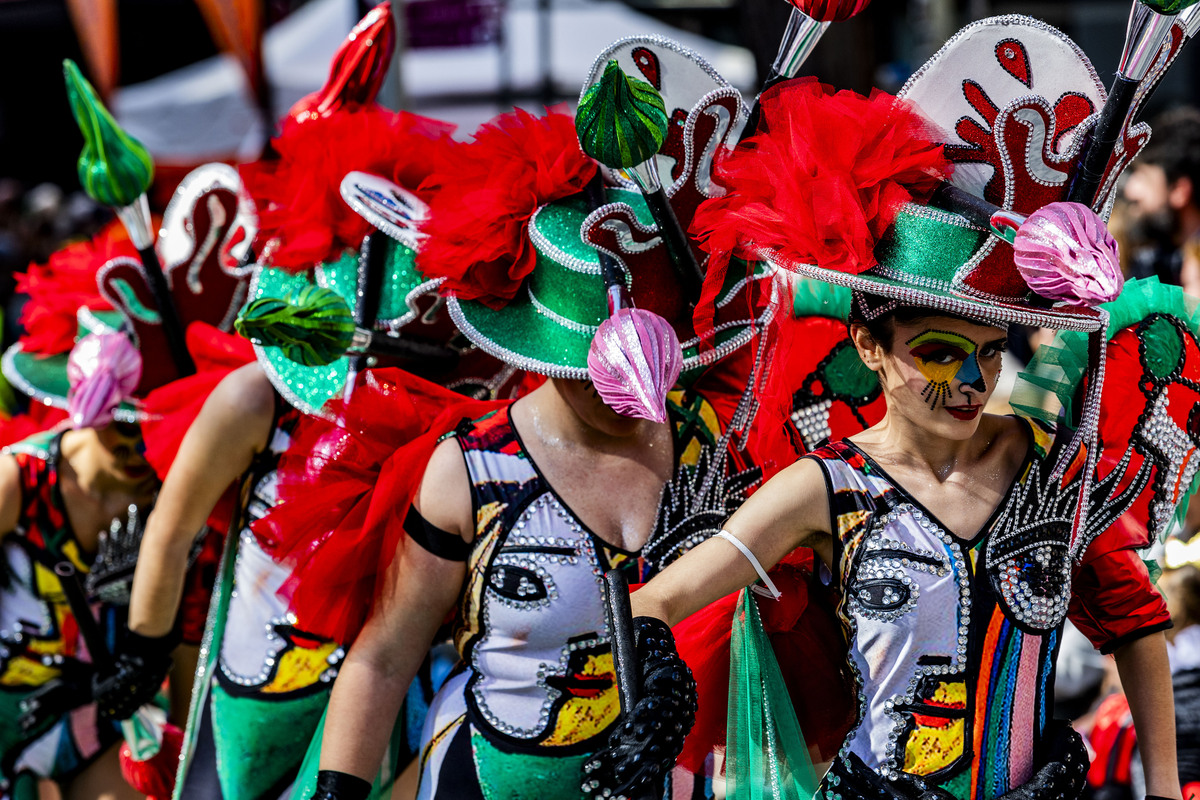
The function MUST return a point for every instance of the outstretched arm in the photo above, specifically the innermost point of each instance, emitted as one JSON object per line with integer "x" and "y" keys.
{"x": 421, "y": 592}
{"x": 789, "y": 511}
{"x": 1146, "y": 679}
{"x": 230, "y": 430}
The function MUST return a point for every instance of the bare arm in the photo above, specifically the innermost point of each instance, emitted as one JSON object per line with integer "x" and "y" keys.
{"x": 10, "y": 494}
{"x": 789, "y": 511}
{"x": 1146, "y": 679}
{"x": 230, "y": 430}
{"x": 422, "y": 589}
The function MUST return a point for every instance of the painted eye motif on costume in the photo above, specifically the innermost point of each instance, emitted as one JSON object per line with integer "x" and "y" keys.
{"x": 519, "y": 584}
{"x": 882, "y": 594}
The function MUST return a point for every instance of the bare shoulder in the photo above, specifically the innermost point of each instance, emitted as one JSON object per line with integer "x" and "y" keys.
{"x": 444, "y": 497}
{"x": 245, "y": 391}
{"x": 1008, "y": 437}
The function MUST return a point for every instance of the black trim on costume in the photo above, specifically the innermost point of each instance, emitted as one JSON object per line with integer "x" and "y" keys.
{"x": 1116, "y": 644}
{"x": 433, "y": 539}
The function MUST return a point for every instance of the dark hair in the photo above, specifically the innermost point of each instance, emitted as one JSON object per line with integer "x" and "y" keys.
{"x": 879, "y": 315}
{"x": 1175, "y": 146}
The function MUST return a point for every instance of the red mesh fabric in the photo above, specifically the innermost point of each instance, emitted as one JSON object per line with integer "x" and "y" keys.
{"x": 821, "y": 182}
{"x": 172, "y": 408}
{"x": 345, "y": 488}
{"x": 40, "y": 417}
{"x": 487, "y": 191}
{"x": 303, "y": 219}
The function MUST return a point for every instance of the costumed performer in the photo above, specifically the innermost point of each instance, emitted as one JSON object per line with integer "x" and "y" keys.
{"x": 60, "y": 492}
{"x": 508, "y": 525}
{"x": 961, "y": 541}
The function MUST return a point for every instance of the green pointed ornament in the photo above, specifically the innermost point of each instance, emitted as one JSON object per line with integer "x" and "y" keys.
{"x": 621, "y": 121}
{"x": 1168, "y": 6}
{"x": 313, "y": 328}
{"x": 114, "y": 168}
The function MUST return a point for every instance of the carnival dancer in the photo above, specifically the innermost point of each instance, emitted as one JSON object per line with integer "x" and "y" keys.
{"x": 960, "y": 540}
{"x": 510, "y": 522}
{"x": 263, "y": 682}
{"x": 62, "y": 490}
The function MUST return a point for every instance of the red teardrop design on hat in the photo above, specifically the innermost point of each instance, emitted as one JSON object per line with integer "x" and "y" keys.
{"x": 1015, "y": 59}
{"x": 647, "y": 64}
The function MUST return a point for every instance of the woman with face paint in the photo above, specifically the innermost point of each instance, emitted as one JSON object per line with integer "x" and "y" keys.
{"x": 58, "y": 491}
{"x": 960, "y": 540}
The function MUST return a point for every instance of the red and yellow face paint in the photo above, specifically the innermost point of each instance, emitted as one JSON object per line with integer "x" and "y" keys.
{"x": 945, "y": 358}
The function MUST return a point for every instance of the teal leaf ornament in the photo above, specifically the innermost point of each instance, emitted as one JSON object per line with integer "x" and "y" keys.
{"x": 621, "y": 121}
{"x": 114, "y": 168}
{"x": 313, "y": 328}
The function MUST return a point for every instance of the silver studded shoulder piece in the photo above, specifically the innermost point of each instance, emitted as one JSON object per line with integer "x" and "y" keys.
{"x": 110, "y": 579}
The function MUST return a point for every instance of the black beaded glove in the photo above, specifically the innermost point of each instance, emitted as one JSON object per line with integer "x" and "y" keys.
{"x": 1064, "y": 772}
{"x": 642, "y": 748}
{"x": 141, "y": 665}
{"x": 334, "y": 785}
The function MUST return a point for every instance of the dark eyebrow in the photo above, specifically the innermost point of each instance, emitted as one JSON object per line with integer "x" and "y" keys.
{"x": 997, "y": 343}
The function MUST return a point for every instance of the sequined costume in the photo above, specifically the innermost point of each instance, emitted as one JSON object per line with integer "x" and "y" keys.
{"x": 953, "y": 688}
{"x": 40, "y": 639}
{"x": 536, "y": 693}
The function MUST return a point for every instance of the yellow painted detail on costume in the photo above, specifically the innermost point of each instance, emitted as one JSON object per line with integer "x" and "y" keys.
{"x": 937, "y": 742}
{"x": 851, "y": 520}
{"x": 440, "y": 736}
{"x": 24, "y": 671}
{"x": 472, "y": 603}
{"x": 70, "y": 549}
{"x": 486, "y": 514}
{"x": 49, "y": 586}
{"x": 582, "y": 718}
{"x": 299, "y": 668}
{"x": 614, "y": 558}
{"x": 709, "y": 420}
{"x": 930, "y": 749}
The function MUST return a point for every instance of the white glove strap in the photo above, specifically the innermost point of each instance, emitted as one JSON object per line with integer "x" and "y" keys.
{"x": 762, "y": 573}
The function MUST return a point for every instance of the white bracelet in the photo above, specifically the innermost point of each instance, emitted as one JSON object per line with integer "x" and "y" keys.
{"x": 762, "y": 573}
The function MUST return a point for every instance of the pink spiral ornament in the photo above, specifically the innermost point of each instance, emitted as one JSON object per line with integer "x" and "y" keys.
{"x": 634, "y": 361}
{"x": 831, "y": 10}
{"x": 104, "y": 369}
{"x": 1065, "y": 252}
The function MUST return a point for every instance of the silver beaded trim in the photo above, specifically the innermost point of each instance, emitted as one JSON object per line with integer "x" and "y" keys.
{"x": 559, "y": 319}
{"x": 551, "y": 249}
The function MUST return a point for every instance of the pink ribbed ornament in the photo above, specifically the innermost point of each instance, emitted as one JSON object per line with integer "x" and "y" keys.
{"x": 104, "y": 369}
{"x": 1065, "y": 252}
{"x": 831, "y": 10}
{"x": 634, "y": 361}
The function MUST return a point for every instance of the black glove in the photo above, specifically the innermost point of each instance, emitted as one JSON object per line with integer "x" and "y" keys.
{"x": 333, "y": 785}
{"x": 643, "y": 746}
{"x": 142, "y": 663}
{"x": 1064, "y": 769}
{"x": 850, "y": 777}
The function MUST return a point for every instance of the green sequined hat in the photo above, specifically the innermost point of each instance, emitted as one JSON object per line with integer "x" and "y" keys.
{"x": 1013, "y": 100}
{"x": 548, "y": 327}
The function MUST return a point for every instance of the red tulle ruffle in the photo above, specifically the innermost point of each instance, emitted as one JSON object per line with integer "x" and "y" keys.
{"x": 809, "y": 646}
{"x": 66, "y": 282}
{"x": 40, "y": 417}
{"x": 487, "y": 191}
{"x": 171, "y": 409}
{"x": 820, "y": 183}
{"x": 345, "y": 489}
{"x": 302, "y": 217}
{"x": 154, "y": 777}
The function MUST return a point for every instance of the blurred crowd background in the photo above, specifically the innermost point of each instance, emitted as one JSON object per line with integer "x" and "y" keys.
{"x": 202, "y": 80}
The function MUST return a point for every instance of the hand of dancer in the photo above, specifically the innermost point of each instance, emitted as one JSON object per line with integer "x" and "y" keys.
{"x": 645, "y": 743}
{"x": 142, "y": 663}
{"x": 1064, "y": 772}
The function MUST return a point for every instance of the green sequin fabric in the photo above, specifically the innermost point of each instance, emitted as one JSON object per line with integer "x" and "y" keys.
{"x": 114, "y": 168}
{"x": 621, "y": 121}
{"x": 313, "y": 327}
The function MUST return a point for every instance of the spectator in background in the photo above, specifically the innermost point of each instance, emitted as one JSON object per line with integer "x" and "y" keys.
{"x": 1163, "y": 192}
{"x": 1180, "y": 585}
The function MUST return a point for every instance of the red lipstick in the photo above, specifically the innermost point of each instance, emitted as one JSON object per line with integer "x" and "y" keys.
{"x": 964, "y": 413}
